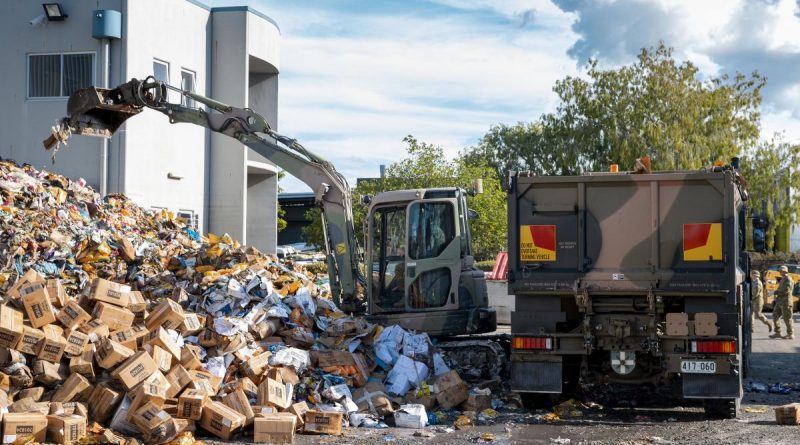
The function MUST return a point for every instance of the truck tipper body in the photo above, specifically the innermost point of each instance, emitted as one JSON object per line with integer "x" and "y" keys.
{"x": 630, "y": 278}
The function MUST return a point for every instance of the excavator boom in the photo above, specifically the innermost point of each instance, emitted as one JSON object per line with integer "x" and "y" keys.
{"x": 100, "y": 112}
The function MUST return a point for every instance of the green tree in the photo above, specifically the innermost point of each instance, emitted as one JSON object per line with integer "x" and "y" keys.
{"x": 426, "y": 166}
{"x": 281, "y": 212}
{"x": 770, "y": 170}
{"x": 656, "y": 107}
{"x": 312, "y": 233}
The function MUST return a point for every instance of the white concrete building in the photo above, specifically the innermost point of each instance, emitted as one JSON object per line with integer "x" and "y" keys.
{"x": 230, "y": 54}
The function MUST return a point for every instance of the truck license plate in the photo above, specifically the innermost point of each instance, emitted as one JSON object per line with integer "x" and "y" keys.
{"x": 698, "y": 366}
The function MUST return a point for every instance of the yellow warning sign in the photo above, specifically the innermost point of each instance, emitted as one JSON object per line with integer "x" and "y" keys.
{"x": 537, "y": 243}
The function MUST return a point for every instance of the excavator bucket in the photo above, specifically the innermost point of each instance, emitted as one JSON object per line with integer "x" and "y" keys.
{"x": 92, "y": 113}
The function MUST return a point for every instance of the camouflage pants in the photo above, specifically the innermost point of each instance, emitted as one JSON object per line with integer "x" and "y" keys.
{"x": 756, "y": 304}
{"x": 783, "y": 311}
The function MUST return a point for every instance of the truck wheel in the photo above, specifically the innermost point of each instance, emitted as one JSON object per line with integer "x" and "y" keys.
{"x": 539, "y": 400}
{"x": 721, "y": 408}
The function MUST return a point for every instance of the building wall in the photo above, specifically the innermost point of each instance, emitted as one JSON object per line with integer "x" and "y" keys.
{"x": 154, "y": 148}
{"x": 25, "y": 123}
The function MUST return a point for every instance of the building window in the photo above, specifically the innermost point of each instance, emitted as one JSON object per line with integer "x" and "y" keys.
{"x": 161, "y": 70}
{"x": 189, "y": 218}
{"x": 59, "y": 75}
{"x": 187, "y": 84}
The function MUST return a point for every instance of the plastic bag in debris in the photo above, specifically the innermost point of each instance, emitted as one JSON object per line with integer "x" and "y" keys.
{"x": 755, "y": 387}
{"x": 296, "y": 358}
{"x": 216, "y": 366}
{"x": 229, "y": 326}
{"x": 386, "y": 354}
{"x": 363, "y": 420}
{"x": 341, "y": 394}
{"x": 439, "y": 366}
{"x": 779, "y": 388}
{"x": 416, "y": 345}
{"x": 303, "y": 299}
{"x": 405, "y": 374}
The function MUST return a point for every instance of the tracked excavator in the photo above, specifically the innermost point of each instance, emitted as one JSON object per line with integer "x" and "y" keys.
{"x": 417, "y": 268}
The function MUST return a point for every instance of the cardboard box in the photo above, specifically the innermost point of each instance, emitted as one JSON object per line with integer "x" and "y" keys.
{"x": 190, "y": 358}
{"x": 255, "y": 365}
{"x": 28, "y": 405}
{"x": 336, "y": 360}
{"x": 283, "y": 374}
{"x": 76, "y": 342}
{"x": 34, "y": 393}
{"x": 135, "y": 369}
{"x": 273, "y": 393}
{"x": 31, "y": 340}
{"x": 220, "y": 420}
{"x": 191, "y": 325}
{"x": 102, "y": 402}
{"x": 238, "y": 401}
{"x": 72, "y": 389}
{"x": 203, "y": 375}
{"x": 168, "y": 314}
{"x": 11, "y": 326}
{"x": 84, "y": 363}
{"x": 19, "y": 426}
{"x": 72, "y": 315}
{"x": 95, "y": 329}
{"x": 110, "y": 353}
{"x": 178, "y": 377}
{"x": 477, "y": 402}
{"x": 323, "y": 422}
{"x": 53, "y": 345}
{"x": 136, "y": 302}
{"x": 45, "y": 372}
{"x": 373, "y": 398}
{"x": 299, "y": 410}
{"x": 66, "y": 429}
{"x": 58, "y": 296}
{"x": 148, "y": 417}
{"x": 788, "y": 414}
{"x": 110, "y": 292}
{"x": 132, "y": 334}
{"x": 38, "y": 306}
{"x": 274, "y": 428}
{"x": 191, "y": 403}
{"x": 451, "y": 390}
{"x": 160, "y": 337}
{"x": 411, "y": 416}
{"x": 146, "y": 393}
{"x": 115, "y": 317}
{"x": 162, "y": 358}
{"x": 31, "y": 276}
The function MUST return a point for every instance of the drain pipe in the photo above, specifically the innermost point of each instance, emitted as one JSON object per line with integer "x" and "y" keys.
{"x": 105, "y": 141}
{"x": 106, "y": 25}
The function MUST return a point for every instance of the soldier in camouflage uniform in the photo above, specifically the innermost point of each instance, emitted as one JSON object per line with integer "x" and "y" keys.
{"x": 783, "y": 304}
{"x": 757, "y": 301}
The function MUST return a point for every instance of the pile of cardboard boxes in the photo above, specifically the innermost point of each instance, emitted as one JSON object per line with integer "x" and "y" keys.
{"x": 117, "y": 322}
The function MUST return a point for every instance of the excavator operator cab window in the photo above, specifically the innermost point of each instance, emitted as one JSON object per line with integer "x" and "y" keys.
{"x": 389, "y": 257}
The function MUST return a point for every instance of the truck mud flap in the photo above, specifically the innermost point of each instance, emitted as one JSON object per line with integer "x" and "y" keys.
{"x": 543, "y": 377}
{"x": 711, "y": 386}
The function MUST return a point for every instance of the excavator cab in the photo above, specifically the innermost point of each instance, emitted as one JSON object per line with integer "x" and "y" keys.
{"x": 421, "y": 272}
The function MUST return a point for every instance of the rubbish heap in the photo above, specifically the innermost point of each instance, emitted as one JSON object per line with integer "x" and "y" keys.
{"x": 120, "y": 324}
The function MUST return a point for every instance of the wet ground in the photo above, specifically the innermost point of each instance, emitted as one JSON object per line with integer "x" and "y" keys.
{"x": 640, "y": 418}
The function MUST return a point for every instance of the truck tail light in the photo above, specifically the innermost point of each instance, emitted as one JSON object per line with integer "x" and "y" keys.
{"x": 540, "y": 343}
{"x": 714, "y": 346}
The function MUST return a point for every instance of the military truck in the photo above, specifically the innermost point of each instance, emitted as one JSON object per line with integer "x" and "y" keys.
{"x": 630, "y": 278}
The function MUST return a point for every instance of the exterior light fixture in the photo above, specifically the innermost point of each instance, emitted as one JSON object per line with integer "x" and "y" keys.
{"x": 54, "y": 12}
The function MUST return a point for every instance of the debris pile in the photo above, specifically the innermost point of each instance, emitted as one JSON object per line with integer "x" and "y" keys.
{"x": 117, "y": 322}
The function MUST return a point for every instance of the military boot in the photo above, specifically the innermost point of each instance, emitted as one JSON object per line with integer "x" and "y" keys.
{"x": 777, "y": 334}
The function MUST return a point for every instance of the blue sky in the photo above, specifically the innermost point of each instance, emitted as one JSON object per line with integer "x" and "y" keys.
{"x": 358, "y": 75}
